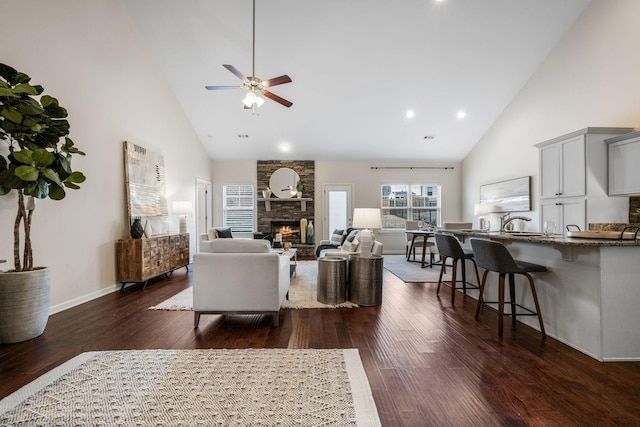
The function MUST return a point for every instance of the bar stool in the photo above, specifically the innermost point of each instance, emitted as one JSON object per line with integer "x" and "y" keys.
{"x": 449, "y": 247}
{"x": 494, "y": 256}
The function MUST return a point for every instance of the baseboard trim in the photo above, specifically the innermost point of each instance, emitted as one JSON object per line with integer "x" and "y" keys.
{"x": 81, "y": 300}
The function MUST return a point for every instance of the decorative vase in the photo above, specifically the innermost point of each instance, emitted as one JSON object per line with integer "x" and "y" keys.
{"x": 24, "y": 304}
{"x": 303, "y": 230}
{"x": 310, "y": 236}
{"x": 147, "y": 229}
{"x": 137, "y": 230}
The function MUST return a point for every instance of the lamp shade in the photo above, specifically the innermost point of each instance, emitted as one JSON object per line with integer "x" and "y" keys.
{"x": 182, "y": 208}
{"x": 367, "y": 218}
{"x": 480, "y": 209}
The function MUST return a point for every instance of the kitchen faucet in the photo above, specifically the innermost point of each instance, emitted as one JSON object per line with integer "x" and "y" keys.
{"x": 505, "y": 221}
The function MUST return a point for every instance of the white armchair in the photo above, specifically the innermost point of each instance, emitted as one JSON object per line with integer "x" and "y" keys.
{"x": 239, "y": 276}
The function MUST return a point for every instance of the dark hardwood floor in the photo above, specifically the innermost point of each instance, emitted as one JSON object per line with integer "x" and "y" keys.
{"x": 428, "y": 363}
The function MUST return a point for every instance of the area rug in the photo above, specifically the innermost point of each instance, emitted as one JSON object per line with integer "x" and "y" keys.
{"x": 412, "y": 272}
{"x": 302, "y": 292}
{"x": 199, "y": 387}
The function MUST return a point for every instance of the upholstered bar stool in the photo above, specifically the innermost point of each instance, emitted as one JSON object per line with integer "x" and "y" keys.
{"x": 494, "y": 256}
{"x": 449, "y": 247}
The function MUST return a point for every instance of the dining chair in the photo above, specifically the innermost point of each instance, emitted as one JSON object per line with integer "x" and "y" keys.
{"x": 417, "y": 243}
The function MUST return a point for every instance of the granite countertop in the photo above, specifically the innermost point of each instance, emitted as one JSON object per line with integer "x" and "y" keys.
{"x": 555, "y": 240}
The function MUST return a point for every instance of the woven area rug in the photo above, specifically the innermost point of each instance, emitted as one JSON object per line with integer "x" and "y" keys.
{"x": 302, "y": 292}
{"x": 412, "y": 272}
{"x": 199, "y": 387}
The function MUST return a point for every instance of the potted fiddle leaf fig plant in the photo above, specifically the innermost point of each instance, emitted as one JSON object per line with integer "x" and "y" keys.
{"x": 35, "y": 163}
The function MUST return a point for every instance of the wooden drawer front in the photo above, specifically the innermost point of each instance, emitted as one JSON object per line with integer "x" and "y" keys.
{"x": 180, "y": 251}
{"x": 164, "y": 254}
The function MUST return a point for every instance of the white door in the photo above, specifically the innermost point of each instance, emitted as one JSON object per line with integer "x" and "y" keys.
{"x": 203, "y": 208}
{"x": 338, "y": 208}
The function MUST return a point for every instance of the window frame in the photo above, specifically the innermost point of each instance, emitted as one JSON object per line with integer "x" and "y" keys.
{"x": 409, "y": 207}
{"x": 245, "y": 198}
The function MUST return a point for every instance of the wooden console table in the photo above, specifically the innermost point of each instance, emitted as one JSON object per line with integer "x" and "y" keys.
{"x": 140, "y": 260}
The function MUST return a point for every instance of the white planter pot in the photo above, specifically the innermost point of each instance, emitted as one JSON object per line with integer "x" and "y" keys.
{"x": 24, "y": 304}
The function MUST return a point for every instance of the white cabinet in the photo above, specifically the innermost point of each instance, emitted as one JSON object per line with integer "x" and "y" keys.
{"x": 624, "y": 164}
{"x": 562, "y": 168}
{"x": 564, "y": 212}
{"x": 573, "y": 179}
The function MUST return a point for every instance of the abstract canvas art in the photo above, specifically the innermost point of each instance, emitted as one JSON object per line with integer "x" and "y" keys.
{"x": 513, "y": 195}
{"x": 145, "y": 178}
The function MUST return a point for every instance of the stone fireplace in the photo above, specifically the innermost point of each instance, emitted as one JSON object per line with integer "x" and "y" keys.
{"x": 283, "y": 212}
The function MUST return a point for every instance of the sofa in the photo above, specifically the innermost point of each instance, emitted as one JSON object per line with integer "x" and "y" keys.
{"x": 239, "y": 276}
{"x": 350, "y": 245}
{"x": 220, "y": 233}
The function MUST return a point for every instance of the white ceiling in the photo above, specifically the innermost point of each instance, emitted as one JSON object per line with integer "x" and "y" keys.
{"x": 357, "y": 66}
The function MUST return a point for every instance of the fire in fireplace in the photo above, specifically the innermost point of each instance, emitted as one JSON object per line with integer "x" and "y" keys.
{"x": 290, "y": 230}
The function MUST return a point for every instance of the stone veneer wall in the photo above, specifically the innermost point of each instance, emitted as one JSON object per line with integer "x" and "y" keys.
{"x": 287, "y": 211}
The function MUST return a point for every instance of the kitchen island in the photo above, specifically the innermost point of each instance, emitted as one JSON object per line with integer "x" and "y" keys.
{"x": 589, "y": 298}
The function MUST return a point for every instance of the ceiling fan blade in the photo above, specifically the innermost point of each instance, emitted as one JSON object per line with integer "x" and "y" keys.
{"x": 236, "y": 72}
{"x": 222, "y": 87}
{"x": 278, "y": 99}
{"x": 276, "y": 81}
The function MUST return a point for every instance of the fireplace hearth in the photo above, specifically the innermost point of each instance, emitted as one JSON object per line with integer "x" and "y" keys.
{"x": 290, "y": 230}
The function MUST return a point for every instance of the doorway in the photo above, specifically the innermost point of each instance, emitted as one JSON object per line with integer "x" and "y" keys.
{"x": 204, "y": 208}
{"x": 338, "y": 208}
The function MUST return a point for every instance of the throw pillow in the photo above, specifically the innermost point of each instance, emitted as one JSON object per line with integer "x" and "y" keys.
{"x": 336, "y": 237}
{"x": 351, "y": 246}
{"x": 352, "y": 235}
{"x": 224, "y": 233}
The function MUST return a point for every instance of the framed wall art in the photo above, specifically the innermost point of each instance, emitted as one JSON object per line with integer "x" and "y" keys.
{"x": 513, "y": 195}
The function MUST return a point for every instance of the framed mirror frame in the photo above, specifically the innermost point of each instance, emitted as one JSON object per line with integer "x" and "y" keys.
{"x": 282, "y": 181}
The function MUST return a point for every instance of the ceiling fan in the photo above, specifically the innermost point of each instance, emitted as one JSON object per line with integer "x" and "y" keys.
{"x": 254, "y": 85}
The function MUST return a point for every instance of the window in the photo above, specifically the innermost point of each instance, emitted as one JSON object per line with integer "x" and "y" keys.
{"x": 237, "y": 207}
{"x": 413, "y": 202}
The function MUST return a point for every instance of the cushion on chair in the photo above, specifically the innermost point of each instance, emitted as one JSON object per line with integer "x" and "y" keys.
{"x": 223, "y": 233}
{"x": 240, "y": 246}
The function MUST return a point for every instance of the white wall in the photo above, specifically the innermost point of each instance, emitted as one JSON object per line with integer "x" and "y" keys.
{"x": 91, "y": 57}
{"x": 229, "y": 172}
{"x": 366, "y": 185}
{"x": 589, "y": 79}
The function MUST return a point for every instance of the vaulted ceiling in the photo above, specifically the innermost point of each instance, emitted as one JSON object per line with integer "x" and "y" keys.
{"x": 358, "y": 67}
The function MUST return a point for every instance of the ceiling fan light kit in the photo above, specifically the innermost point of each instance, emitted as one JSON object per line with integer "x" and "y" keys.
{"x": 255, "y": 86}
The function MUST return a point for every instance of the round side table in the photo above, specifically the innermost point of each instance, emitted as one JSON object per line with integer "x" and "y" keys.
{"x": 332, "y": 280}
{"x": 365, "y": 280}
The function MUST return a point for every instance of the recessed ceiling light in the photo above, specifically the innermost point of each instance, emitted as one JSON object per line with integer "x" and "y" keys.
{"x": 285, "y": 148}
{"x": 461, "y": 114}
{"x": 410, "y": 114}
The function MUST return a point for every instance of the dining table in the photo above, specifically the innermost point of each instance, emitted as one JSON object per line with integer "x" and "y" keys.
{"x": 425, "y": 233}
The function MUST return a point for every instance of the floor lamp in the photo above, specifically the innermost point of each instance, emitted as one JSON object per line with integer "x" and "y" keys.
{"x": 183, "y": 209}
{"x": 366, "y": 219}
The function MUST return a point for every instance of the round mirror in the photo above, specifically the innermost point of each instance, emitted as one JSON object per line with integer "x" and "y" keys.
{"x": 282, "y": 182}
